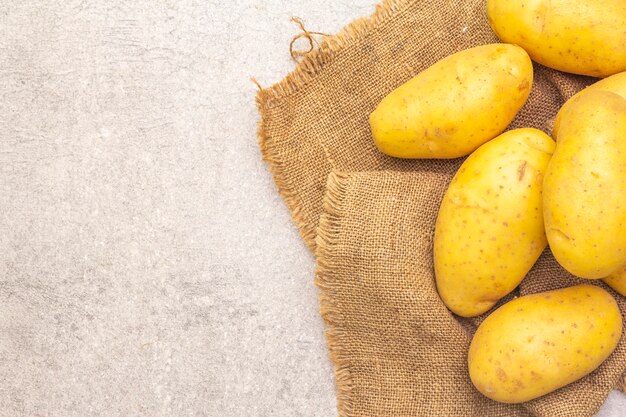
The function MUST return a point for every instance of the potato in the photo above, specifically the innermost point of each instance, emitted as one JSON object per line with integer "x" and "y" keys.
{"x": 453, "y": 107}
{"x": 489, "y": 231}
{"x": 536, "y": 344}
{"x": 615, "y": 84}
{"x": 617, "y": 281}
{"x": 584, "y": 198}
{"x": 578, "y": 36}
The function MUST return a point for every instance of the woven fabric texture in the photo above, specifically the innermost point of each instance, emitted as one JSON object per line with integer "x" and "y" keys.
{"x": 370, "y": 218}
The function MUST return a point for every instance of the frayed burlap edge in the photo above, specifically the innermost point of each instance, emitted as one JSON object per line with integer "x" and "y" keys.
{"x": 327, "y": 237}
{"x": 272, "y": 157}
{"x": 304, "y": 72}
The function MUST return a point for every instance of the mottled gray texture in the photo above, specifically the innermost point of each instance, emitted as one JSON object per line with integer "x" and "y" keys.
{"x": 147, "y": 264}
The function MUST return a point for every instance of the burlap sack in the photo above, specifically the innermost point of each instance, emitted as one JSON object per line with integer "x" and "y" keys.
{"x": 397, "y": 350}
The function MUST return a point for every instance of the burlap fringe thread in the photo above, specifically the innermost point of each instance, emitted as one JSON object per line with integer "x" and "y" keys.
{"x": 297, "y": 55}
{"x": 311, "y": 63}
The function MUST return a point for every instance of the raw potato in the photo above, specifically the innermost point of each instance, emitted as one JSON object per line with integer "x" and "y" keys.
{"x": 453, "y": 107}
{"x": 584, "y": 188}
{"x": 536, "y": 344}
{"x": 490, "y": 232}
{"x": 617, "y": 281}
{"x": 577, "y": 36}
{"x": 615, "y": 84}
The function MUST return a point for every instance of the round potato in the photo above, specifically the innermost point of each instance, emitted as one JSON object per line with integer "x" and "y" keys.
{"x": 453, "y": 107}
{"x": 584, "y": 188}
{"x": 617, "y": 281}
{"x": 536, "y": 344}
{"x": 489, "y": 231}
{"x": 615, "y": 84}
{"x": 577, "y": 36}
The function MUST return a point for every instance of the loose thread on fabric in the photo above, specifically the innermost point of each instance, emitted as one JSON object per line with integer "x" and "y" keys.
{"x": 257, "y": 83}
{"x": 298, "y": 55}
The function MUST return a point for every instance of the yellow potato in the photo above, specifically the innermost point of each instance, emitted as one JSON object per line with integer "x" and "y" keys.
{"x": 585, "y": 187}
{"x": 578, "y": 36}
{"x": 489, "y": 231}
{"x": 453, "y": 107}
{"x": 615, "y": 84}
{"x": 617, "y": 281}
{"x": 536, "y": 344}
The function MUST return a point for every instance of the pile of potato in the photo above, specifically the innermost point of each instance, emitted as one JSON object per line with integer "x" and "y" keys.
{"x": 521, "y": 190}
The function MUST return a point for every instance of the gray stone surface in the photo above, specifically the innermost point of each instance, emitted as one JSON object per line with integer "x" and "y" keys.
{"x": 147, "y": 264}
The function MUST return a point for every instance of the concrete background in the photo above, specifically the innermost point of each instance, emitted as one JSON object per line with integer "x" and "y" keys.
{"x": 147, "y": 264}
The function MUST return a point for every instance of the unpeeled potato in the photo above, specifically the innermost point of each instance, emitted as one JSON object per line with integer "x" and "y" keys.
{"x": 585, "y": 187}
{"x": 490, "y": 231}
{"x": 453, "y": 107}
{"x": 577, "y": 36}
{"x": 538, "y": 343}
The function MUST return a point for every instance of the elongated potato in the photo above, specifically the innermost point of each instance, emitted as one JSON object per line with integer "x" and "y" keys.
{"x": 536, "y": 344}
{"x": 489, "y": 231}
{"x": 615, "y": 84}
{"x": 453, "y": 107}
{"x": 617, "y": 281}
{"x": 584, "y": 188}
{"x": 577, "y": 36}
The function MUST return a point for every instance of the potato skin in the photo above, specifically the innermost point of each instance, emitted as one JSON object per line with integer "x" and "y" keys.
{"x": 536, "y": 344}
{"x": 489, "y": 231}
{"x": 583, "y": 198}
{"x": 578, "y": 36}
{"x": 617, "y": 281}
{"x": 615, "y": 84}
{"x": 456, "y": 105}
